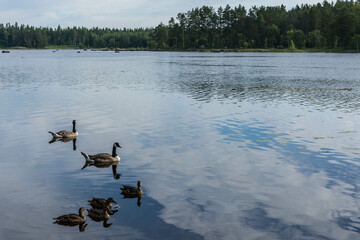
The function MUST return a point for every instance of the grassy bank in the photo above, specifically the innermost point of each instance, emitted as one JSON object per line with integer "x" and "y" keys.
{"x": 284, "y": 50}
{"x": 62, "y": 47}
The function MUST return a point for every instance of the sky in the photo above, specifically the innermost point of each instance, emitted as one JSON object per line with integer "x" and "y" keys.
{"x": 113, "y": 13}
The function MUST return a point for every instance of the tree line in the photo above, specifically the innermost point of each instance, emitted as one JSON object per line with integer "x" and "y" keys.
{"x": 40, "y": 37}
{"x": 323, "y": 25}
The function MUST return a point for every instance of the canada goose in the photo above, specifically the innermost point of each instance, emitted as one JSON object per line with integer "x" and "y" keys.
{"x": 129, "y": 191}
{"x": 72, "y": 219}
{"x": 103, "y": 157}
{"x": 100, "y": 203}
{"x": 65, "y": 133}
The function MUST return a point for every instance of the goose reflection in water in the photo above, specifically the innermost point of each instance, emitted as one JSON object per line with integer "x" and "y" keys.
{"x": 101, "y": 215}
{"x": 130, "y": 196}
{"x": 73, "y": 220}
{"x": 65, "y": 140}
{"x": 133, "y": 192}
{"x": 104, "y": 165}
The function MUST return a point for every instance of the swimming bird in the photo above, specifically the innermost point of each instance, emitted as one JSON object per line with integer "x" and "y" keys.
{"x": 72, "y": 219}
{"x": 100, "y": 203}
{"x": 129, "y": 191}
{"x": 103, "y": 157}
{"x": 99, "y": 214}
{"x": 65, "y": 133}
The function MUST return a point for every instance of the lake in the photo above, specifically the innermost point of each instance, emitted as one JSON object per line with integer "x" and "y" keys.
{"x": 226, "y": 145}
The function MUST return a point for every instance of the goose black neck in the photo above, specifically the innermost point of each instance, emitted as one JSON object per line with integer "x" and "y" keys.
{"x": 81, "y": 213}
{"x": 114, "y": 151}
{"x": 74, "y": 130}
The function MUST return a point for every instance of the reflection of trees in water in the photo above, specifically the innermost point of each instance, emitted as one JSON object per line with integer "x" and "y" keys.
{"x": 319, "y": 94}
{"x": 258, "y": 219}
{"x": 350, "y": 223}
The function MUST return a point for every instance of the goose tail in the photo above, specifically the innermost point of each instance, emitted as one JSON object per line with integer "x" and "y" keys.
{"x": 87, "y": 158}
{"x": 55, "y": 135}
{"x": 88, "y": 161}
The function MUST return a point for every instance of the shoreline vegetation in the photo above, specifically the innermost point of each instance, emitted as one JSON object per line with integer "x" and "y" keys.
{"x": 322, "y": 27}
{"x": 244, "y": 50}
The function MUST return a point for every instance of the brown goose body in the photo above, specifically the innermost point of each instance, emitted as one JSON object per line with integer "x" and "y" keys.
{"x": 100, "y": 203}
{"x": 104, "y": 157}
{"x": 65, "y": 133}
{"x": 71, "y": 219}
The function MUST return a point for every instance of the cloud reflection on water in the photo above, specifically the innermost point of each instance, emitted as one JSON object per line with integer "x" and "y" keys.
{"x": 225, "y": 152}
{"x": 261, "y": 194}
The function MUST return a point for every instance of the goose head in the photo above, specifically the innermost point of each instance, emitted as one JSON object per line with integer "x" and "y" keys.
{"x": 111, "y": 200}
{"x": 82, "y": 211}
{"x": 138, "y": 184}
{"x": 74, "y": 130}
{"x": 116, "y": 144}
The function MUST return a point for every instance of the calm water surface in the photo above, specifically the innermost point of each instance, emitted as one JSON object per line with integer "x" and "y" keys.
{"x": 227, "y": 146}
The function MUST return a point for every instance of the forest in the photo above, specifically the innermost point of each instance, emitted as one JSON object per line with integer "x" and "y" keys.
{"x": 325, "y": 25}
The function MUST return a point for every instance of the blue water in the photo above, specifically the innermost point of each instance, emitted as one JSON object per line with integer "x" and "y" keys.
{"x": 226, "y": 145}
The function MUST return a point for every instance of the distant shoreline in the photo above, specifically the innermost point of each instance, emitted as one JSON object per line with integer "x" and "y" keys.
{"x": 263, "y": 50}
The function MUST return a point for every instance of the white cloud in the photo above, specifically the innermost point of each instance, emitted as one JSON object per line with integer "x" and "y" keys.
{"x": 51, "y": 15}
